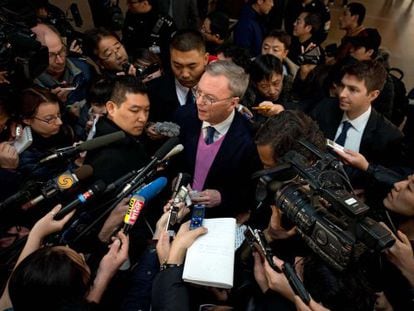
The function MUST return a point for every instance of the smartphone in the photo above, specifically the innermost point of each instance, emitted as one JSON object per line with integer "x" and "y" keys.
{"x": 197, "y": 216}
{"x": 334, "y": 145}
{"x": 24, "y": 140}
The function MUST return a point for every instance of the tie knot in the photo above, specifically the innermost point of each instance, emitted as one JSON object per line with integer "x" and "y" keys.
{"x": 210, "y": 135}
{"x": 346, "y": 125}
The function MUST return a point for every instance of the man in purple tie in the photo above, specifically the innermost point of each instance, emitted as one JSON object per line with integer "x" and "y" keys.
{"x": 219, "y": 151}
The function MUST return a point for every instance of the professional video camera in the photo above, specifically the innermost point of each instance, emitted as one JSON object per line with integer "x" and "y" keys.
{"x": 21, "y": 55}
{"x": 318, "y": 199}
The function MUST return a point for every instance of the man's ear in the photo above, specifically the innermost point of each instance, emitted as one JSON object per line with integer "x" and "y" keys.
{"x": 110, "y": 107}
{"x": 206, "y": 59}
{"x": 27, "y": 121}
{"x": 373, "y": 95}
{"x": 370, "y": 52}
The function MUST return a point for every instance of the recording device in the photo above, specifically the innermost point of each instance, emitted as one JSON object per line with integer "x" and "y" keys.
{"x": 334, "y": 145}
{"x": 311, "y": 57}
{"x": 21, "y": 55}
{"x": 161, "y": 155}
{"x": 180, "y": 195}
{"x": 61, "y": 183}
{"x": 24, "y": 140}
{"x": 92, "y": 144}
{"x": 339, "y": 232}
{"x": 96, "y": 189}
{"x": 141, "y": 71}
{"x": 197, "y": 216}
{"x": 169, "y": 129}
{"x": 138, "y": 199}
{"x": 257, "y": 242}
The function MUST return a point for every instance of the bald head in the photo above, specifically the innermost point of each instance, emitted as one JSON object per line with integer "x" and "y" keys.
{"x": 49, "y": 37}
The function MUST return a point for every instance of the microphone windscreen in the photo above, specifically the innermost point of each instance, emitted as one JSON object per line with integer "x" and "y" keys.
{"x": 153, "y": 188}
{"x": 84, "y": 172}
{"x": 166, "y": 147}
{"x": 101, "y": 141}
{"x": 98, "y": 187}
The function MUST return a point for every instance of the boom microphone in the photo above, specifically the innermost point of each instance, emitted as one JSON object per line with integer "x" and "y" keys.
{"x": 137, "y": 201}
{"x": 60, "y": 183}
{"x": 82, "y": 198}
{"x": 88, "y": 145}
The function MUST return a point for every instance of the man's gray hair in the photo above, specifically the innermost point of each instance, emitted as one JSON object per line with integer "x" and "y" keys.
{"x": 238, "y": 78}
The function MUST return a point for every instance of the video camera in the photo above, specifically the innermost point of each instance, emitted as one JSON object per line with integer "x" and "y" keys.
{"x": 318, "y": 199}
{"x": 311, "y": 57}
{"x": 21, "y": 55}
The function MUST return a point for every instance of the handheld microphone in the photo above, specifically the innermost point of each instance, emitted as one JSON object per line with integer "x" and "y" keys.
{"x": 179, "y": 195}
{"x": 82, "y": 198}
{"x": 61, "y": 183}
{"x": 176, "y": 150}
{"x": 88, "y": 145}
{"x": 25, "y": 194}
{"x": 159, "y": 155}
{"x": 137, "y": 201}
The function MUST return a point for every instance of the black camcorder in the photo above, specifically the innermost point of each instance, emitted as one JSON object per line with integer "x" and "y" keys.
{"x": 331, "y": 220}
{"x": 21, "y": 55}
{"x": 311, "y": 57}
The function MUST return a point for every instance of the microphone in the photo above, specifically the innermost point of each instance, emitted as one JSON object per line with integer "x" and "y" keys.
{"x": 179, "y": 194}
{"x": 88, "y": 145}
{"x": 176, "y": 150}
{"x": 82, "y": 198}
{"x": 159, "y": 155}
{"x": 25, "y": 194}
{"x": 60, "y": 183}
{"x": 180, "y": 191}
{"x": 138, "y": 199}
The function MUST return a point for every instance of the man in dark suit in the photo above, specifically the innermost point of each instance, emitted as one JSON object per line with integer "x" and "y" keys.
{"x": 128, "y": 109}
{"x": 219, "y": 151}
{"x": 183, "y": 12}
{"x": 353, "y": 123}
{"x": 188, "y": 59}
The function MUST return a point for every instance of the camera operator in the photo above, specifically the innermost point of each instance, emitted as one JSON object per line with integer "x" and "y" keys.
{"x": 145, "y": 27}
{"x": 279, "y": 135}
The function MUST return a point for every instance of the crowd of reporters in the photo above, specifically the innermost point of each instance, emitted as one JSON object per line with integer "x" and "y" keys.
{"x": 163, "y": 77}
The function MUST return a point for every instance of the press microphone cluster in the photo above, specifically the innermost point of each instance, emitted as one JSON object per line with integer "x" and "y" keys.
{"x": 167, "y": 150}
{"x": 138, "y": 200}
{"x": 88, "y": 145}
{"x": 61, "y": 183}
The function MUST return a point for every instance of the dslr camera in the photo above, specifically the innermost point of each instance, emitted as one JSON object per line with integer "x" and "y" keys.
{"x": 318, "y": 199}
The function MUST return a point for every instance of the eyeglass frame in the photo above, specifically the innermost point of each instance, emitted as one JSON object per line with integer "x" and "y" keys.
{"x": 61, "y": 53}
{"x": 52, "y": 119}
{"x": 210, "y": 101}
{"x": 112, "y": 51}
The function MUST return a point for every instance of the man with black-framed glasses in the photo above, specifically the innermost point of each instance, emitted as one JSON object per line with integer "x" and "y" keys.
{"x": 219, "y": 151}
{"x": 67, "y": 77}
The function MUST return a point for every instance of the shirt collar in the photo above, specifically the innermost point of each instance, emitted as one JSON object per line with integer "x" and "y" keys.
{"x": 360, "y": 122}
{"x": 223, "y": 126}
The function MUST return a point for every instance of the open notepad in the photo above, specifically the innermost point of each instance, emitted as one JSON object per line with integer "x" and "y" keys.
{"x": 210, "y": 260}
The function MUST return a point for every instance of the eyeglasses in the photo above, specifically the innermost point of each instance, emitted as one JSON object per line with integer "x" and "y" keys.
{"x": 110, "y": 53}
{"x": 54, "y": 55}
{"x": 208, "y": 99}
{"x": 50, "y": 119}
